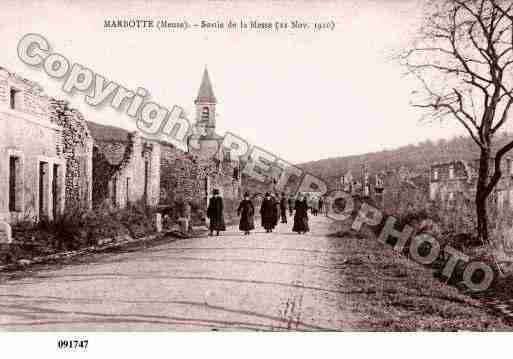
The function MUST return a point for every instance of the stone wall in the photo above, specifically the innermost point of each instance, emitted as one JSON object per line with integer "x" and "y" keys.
{"x": 181, "y": 177}
{"x": 77, "y": 147}
{"x": 190, "y": 178}
{"x": 125, "y": 171}
{"x": 33, "y": 143}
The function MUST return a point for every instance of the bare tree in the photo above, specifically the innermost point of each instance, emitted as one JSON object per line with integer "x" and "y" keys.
{"x": 463, "y": 61}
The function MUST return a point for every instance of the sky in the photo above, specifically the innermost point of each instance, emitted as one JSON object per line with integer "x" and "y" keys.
{"x": 302, "y": 95}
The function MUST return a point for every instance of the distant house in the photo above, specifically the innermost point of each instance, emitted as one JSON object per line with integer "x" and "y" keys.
{"x": 459, "y": 177}
{"x": 126, "y": 167}
{"x": 32, "y": 162}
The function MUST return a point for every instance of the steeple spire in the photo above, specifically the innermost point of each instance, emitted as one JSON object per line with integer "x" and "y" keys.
{"x": 205, "y": 93}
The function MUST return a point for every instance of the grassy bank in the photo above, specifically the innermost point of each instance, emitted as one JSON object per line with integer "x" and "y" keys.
{"x": 396, "y": 293}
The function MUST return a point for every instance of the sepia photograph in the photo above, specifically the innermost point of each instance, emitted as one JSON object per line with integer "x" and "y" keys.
{"x": 187, "y": 167}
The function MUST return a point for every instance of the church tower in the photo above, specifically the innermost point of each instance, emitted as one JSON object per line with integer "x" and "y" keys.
{"x": 205, "y": 142}
{"x": 206, "y": 106}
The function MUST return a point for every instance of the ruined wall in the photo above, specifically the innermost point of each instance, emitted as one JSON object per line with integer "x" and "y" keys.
{"x": 78, "y": 152}
{"x": 126, "y": 172}
{"x": 28, "y": 135}
{"x": 186, "y": 177}
{"x": 181, "y": 177}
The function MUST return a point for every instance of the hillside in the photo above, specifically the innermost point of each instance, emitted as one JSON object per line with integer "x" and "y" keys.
{"x": 415, "y": 157}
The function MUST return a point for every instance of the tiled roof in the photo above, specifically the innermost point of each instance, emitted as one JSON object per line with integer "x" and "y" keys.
{"x": 107, "y": 133}
{"x": 111, "y": 142}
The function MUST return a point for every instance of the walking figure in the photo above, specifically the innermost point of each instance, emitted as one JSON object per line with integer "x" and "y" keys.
{"x": 246, "y": 212}
{"x": 291, "y": 205}
{"x": 283, "y": 208}
{"x": 315, "y": 207}
{"x": 215, "y": 213}
{"x": 321, "y": 205}
{"x": 301, "y": 215}
{"x": 327, "y": 206}
{"x": 276, "y": 209}
{"x": 268, "y": 212}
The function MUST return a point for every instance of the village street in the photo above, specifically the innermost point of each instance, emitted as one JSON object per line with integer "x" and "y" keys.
{"x": 279, "y": 281}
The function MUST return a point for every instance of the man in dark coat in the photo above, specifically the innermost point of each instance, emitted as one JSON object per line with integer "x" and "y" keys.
{"x": 246, "y": 212}
{"x": 215, "y": 213}
{"x": 268, "y": 213}
{"x": 291, "y": 205}
{"x": 276, "y": 212}
{"x": 283, "y": 208}
{"x": 301, "y": 216}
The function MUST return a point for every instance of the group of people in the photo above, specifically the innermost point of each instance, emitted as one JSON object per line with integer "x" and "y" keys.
{"x": 271, "y": 210}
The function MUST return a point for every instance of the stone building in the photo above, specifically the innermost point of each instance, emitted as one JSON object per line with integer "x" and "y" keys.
{"x": 393, "y": 190}
{"x": 191, "y": 176}
{"x": 52, "y": 159}
{"x": 32, "y": 160}
{"x": 126, "y": 167}
{"x": 450, "y": 178}
{"x": 459, "y": 177}
{"x": 218, "y": 169}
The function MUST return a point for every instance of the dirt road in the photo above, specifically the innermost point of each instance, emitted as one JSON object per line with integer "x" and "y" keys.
{"x": 278, "y": 281}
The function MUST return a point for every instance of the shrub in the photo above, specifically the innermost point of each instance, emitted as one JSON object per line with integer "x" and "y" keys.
{"x": 138, "y": 219}
{"x": 77, "y": 229}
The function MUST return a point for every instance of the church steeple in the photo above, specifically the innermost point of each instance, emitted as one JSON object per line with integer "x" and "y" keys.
{"x": 206, "y": 106}
{"x": 205, "y": 93}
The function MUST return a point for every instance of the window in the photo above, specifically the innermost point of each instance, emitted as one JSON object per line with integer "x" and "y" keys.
{"x": 13, "y": 179}
{"x": 432, "y": 193}
{"x": 379, "y": 182}
{"x": 205, "y": 113}
{"x": 501, "y": 198}
{"x": 435, "y": 174}
{"x": 227, "y": 156}
{"x": 146, "y": 180}
{"x": 15, "y": 98}
{"x": 55, "y": 191}
{"x": 44, "y": 181}
{"x": 451, "y": 172}
{"x": 114, "y": 192}
{"x": 128, "y": 190}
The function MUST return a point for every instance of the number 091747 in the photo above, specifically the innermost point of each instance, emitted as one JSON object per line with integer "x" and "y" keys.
{"x": 72, "y": 344}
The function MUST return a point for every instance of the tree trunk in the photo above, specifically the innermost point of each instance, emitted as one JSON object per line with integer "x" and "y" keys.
{"x": 482, "y": 195}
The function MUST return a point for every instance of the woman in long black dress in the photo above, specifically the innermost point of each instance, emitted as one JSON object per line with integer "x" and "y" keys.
{"x": 276, "y": 210}
{"x": 215, "y": 213}
{"x": 268, "y": 213}
{"x": 246, "y": 212}
{"x": 301, "y": 216}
